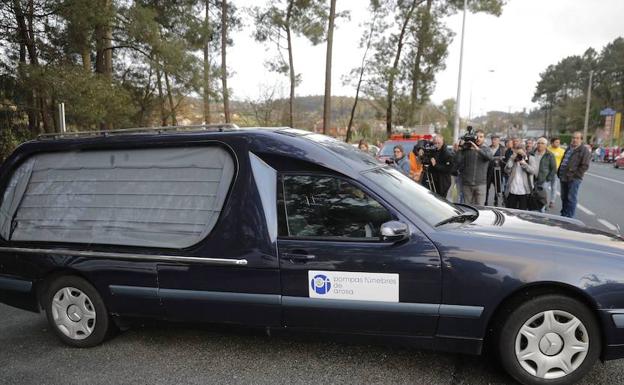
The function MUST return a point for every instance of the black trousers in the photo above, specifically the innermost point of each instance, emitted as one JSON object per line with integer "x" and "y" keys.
{"x": 517, "y": 201}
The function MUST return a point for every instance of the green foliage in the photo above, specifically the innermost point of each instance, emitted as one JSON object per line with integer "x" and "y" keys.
{"x": 562, "y": 88}
{"x": 89, "y": 98}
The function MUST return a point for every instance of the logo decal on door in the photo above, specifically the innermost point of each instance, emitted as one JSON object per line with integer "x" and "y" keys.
{"x": 321, "y": 284}
{"x": 355, "y": 286}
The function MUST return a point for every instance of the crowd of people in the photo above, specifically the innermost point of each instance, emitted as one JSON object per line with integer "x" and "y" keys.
{"x": 524, "y": 175}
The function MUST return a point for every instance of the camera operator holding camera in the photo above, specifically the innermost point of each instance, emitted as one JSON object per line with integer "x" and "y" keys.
{"x": 521, "y": 167}
{"x": 441, "y": 167}
{"x": 473, "y": 160}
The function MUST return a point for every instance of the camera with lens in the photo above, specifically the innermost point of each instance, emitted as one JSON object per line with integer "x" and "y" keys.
{"x": 469, "y": 137}
{"x": 429, "y": 151}
{"x": 519, "y": 158}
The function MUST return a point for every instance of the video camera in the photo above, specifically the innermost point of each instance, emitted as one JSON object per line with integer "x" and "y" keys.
{"x": 429, "y": 151}
{"x": 469, "y": 137}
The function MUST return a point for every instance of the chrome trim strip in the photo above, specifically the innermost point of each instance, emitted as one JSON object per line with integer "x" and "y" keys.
{"x": 142, "y": 257}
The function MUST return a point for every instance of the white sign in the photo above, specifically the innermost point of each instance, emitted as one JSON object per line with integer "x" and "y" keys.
{"x": 353, "y": 286}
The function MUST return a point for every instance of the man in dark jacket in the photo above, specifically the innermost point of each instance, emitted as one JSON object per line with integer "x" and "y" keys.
{"x": 473, "y": 160}
{"x": 573, "y": 166}
{"x": 497, "y": 152}
{"x": 441, "y": 167}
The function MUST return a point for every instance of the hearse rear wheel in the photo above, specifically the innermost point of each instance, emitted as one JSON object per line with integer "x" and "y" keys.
{"x": 551, "y": 339}
{"x": 76, "y": 312}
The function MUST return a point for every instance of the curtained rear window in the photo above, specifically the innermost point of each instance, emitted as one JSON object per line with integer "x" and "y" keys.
{"x": 164, "y": 197}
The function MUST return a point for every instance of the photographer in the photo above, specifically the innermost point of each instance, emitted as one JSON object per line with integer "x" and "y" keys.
{"x": 441, "y": 167}
{"x": 521, "y": 167}
{"x": 473, "y": 160}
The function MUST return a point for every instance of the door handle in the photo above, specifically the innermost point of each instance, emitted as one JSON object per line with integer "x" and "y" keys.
{"x": 300, "y": 258}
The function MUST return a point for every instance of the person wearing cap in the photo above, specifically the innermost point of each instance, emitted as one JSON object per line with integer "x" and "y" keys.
{"x": 497, "y": 152}
{"x": 547, "y": 168}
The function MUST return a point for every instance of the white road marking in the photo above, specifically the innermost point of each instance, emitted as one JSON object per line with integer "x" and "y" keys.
{"x": 581, "y": 207}
{"x": 605, "y": 178}
{"x": 608, "y": 224}
{"x": 584, "y": 209}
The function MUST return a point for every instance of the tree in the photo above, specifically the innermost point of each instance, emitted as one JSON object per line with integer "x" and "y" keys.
{"x": 278, "y": 22}
{"x": 417, "y": 48}
{"x": 328, "y": 67}
{"x": 224, "y": 75}
{"x": 365, "y": 42}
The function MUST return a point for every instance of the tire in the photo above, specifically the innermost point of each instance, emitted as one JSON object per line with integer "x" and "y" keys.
{"x": 561, "y": 352}
{"x": 76, "y": 312}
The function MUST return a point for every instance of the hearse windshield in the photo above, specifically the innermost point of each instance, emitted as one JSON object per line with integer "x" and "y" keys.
{"x": 424, "y": 203}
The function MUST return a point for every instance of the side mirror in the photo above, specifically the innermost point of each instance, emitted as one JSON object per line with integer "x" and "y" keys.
{"x": 394, "y": 231}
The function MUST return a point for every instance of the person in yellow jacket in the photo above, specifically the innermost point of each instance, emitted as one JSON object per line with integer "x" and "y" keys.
{"x": 555, "y": 148}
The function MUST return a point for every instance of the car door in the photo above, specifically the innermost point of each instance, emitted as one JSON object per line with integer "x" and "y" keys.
{"x": 336, "y": 271}
{"x": 234, "y": 275}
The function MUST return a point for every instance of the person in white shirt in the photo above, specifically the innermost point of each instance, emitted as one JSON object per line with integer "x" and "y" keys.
{"x": 521, "y": 168}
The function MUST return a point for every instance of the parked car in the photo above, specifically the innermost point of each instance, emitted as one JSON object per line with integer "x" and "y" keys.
{"x": 282, "y": 228}
{"x": 619, "y": 161}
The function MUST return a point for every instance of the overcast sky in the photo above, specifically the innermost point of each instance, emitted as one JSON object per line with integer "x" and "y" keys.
{"x": 517, "y": 46}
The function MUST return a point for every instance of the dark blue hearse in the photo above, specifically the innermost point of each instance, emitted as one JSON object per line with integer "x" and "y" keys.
{"x": 283, "y": 228}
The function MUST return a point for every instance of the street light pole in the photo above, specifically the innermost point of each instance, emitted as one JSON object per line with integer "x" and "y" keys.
{"x": 589, "y": 87}
{"x": 459, "y": 77}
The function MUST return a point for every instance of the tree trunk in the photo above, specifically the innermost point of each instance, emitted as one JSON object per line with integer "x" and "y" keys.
{"x": 360, "y": 78}
{"x": 291, "y": 66}
{"x": 328, "y": 68}
{"x": 224, "y": 74}
{"x": 161, "y": 99}
{"x": 422, "y": 45}
{"x": 103, "y": 43}
{"x": 86, "y": 59}
{"x": 395, "y": 65}
{"x": 174, "y": 121}
{"x": 207, "y": 39}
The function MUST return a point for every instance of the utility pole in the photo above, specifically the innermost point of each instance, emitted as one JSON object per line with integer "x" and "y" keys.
{"x": 459, "y": 77}
{"x": 589, "y": 87}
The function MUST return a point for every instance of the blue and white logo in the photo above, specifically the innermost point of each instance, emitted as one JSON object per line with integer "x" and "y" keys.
{"x": 321, "y": 284}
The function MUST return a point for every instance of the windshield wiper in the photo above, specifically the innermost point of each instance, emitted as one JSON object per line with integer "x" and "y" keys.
{"x": 458, "y": 218}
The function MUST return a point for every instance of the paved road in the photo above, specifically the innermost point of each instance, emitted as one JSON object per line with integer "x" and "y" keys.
{"x": 187, "y": 354}
{"x": 602, "y": 197}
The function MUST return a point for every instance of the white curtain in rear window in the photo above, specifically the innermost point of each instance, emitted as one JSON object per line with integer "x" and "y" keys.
{"x": 166, "y": 197}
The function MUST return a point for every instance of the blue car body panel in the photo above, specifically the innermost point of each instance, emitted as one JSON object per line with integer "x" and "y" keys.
{"x": 453, "y": 277}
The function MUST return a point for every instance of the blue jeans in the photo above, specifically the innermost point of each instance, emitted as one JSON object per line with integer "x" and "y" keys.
{"x": 569, "y": 197}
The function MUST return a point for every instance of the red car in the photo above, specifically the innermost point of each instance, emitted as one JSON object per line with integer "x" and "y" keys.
{"x": 619, "y": 161}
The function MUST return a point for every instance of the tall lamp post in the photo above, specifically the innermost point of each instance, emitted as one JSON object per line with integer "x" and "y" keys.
{"x": 459, "y": 77}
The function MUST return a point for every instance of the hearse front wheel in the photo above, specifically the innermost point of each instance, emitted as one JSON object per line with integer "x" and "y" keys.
{"x": 76, "y": 312}
{"x": 551, "y": 340}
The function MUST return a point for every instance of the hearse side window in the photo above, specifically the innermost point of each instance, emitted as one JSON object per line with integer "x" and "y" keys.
{"x": 158, "y": 197}
{"x": 329, "y": 207}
